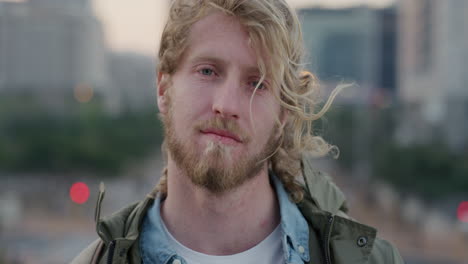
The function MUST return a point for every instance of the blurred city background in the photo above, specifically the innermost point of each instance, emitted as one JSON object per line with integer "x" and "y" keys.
{"x": 77, "y": 104}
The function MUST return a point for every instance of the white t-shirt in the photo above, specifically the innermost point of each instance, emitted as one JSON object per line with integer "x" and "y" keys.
{"x": 268, "y": 251}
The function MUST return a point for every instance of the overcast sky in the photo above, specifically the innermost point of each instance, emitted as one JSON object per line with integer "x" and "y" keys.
{"x": 136, "y": 26}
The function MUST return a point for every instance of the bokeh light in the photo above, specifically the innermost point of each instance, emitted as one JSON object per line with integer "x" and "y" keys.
{"x": 462, "y": 212}
{"x": 83, "y": 93}
{"x": 79, "y": 193}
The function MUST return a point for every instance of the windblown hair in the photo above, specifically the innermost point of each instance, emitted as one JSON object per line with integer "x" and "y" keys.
{"x": 273, "y": 29}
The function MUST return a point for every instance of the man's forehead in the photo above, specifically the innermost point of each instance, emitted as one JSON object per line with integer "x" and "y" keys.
{"x": 222, "y": 39}
{"x": 218, "y": 23}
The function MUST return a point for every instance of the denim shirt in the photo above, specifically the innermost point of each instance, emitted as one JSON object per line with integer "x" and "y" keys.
{"x": 155, "y": 246}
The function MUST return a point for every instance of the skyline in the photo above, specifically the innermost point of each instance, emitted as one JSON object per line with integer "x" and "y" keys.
{"x": 137, "y": 28}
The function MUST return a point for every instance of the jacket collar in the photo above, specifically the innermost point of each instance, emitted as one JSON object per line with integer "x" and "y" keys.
{"x": 324, "y": 207}
{"x": 152, "y": 224}
{"x": 321, "y": 189}
{"x": 293, "y": 223}
{"x": 122, "y": 229}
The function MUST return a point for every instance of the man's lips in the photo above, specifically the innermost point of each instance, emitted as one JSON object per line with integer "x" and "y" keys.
{"x": 222, "y": 133}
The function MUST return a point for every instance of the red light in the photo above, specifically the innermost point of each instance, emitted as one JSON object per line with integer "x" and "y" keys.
{"x": 462, "y": 212}
{"x": 79, "y": 193}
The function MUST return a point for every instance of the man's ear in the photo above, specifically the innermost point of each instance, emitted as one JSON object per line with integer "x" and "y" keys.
{"x": 163, "y": 85}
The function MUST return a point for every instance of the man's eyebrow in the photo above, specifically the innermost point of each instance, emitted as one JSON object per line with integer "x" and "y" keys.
{"x": 207, "y": 58}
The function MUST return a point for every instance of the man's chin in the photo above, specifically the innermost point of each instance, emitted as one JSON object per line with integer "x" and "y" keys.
{"x": 220, "y": 175}
{"x": 215, "y": 167}
{"x": 217, "y": 156}
{"x": 218, "y": 180}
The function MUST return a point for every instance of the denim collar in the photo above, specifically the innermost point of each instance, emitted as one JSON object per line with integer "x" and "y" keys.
{"x": 155, "y": 247}
{"x": 293, "y": 225}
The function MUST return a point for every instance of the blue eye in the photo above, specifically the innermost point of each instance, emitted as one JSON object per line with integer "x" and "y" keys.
{"x": 255, "y": 83}
{"x": 206, "y": 71}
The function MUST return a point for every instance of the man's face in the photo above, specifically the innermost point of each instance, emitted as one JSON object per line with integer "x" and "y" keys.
{"x": 211, "y": 133}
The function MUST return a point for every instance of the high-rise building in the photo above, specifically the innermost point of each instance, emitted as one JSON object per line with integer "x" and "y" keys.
{"x": 357, "y": 45}
{"x": 133, "y": 78}
{"x": 50, "y": 47}
{"x": 433, "y": 71}
{"x": 353, "y": 45}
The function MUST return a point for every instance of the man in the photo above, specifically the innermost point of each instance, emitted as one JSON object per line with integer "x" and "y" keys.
{"x": 237, "y": 109}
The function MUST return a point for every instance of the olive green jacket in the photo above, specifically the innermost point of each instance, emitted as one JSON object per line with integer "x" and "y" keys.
{"x": 336, "y": 238}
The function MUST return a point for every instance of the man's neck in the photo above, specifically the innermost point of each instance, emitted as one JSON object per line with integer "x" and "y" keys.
{"x": 219, "y": 224}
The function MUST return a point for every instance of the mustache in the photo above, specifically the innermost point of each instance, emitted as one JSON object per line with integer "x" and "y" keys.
{"x": 223, "y": 124}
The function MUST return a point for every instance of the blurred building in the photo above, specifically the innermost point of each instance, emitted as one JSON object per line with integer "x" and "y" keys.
{"x": 433, "y": 71}
{"x": 51, "y": 47}
{"x": 133, "y": 77}
{"x": 355, "y": 44}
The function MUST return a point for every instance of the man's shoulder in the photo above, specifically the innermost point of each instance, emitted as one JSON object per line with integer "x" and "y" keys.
{"x": 385, "y": 252}
{"x": 90, "y": 255}
{"x": 118, "y": 231}
{"x": 325, "y": 208}
{"x": 321, "y": 190}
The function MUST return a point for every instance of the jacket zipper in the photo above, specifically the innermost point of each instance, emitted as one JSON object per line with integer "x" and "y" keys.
{"x": 110, "y": 255}
{"x": 327, "y": 239}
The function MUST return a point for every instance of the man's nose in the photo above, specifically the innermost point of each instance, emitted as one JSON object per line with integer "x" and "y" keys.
{"x": 227, "y": 100}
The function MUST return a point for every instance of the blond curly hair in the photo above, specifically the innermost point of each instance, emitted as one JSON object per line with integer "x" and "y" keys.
{"x": 273, "y": 26}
